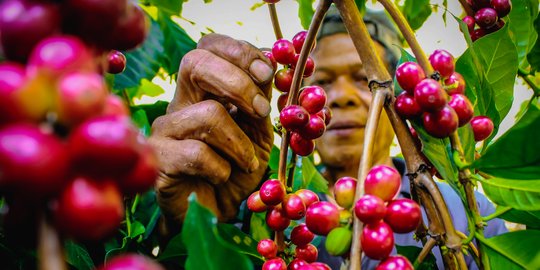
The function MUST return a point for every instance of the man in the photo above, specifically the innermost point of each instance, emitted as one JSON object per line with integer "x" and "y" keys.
{"x": 216, "y": 137}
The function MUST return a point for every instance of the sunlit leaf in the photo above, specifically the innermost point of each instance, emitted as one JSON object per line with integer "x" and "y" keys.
{"x": 416, "y": 12}
{"x": 514, "y": 250}
{"x": 519, "y": 194}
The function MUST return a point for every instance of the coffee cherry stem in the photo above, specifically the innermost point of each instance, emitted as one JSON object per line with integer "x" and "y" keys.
{"x": 426, "y": 250}
{"x": 50, "y": 246}
{"x": 275, "y": 21}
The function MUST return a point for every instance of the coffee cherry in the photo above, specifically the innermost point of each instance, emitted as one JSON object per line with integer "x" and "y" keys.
{"x": 283, "y": 51}
{"x": 308, "y": 253}
{"x": 478, "y": 33}
{"x": 312, "y": 98}
{"x": 267, "y": 248}
{"x": 314, "y": 128}
{"x": 297, "y": 264}
{"x": 301, "y": 235}
{"x": 272, "y": 192}
{"x": 89, "y": 209}
{"x": 298, "y": 40}
{"x": 308, "y": 197}
{"x": 116, "y": 62}
{"x": 479, "y": 4}
{"x": 502, "y": 7}
{"x": 115, "y": 106}
{"x": 463, "y": 107}
{"x": 301, "y": 146}
{"x": 397, "y": 262}
{"x": 497, "y": 26}
{"x": 408, "y": 75}
{"x": 282, "y": 101}
{"x": 255, "y": 204}
{"x": 403, "y": 215}
{"x": 131, "y": 261}
{"x": 486, "y": 17}
{"x": 276, "y": 263}
{"x": 457, "y": 82}
{"x": 338, "y": 241}
{"x": 370, "y": 209}
{"x": 344, "y": 190}
{"x": 327, "y": 112}
{"x": 443, "y": 62}
{"x": 145, "y": 173}
{"x": 12, "y": 79}
{"x": 377, "y": 240}
{"x": 294, "y": 207}
{"x": 469, "y": 21}
{"x": 270, "y": 57}
{"x": 130, "y": 31}
{"x": 406, "y": 106}
{"x": 382, "y": 181}
{"x": 429, "y": 95}
{"x": 322, "y": 217}
{"x": 482, "y": 127}
{"x": 293, "y": 117}
{"x": 320, "y": 266}
{"x": 283, "y": 79}
{"x": 442, "y": 123}
{"x": 271, "y": 1}
{"x": 276, "y": 219}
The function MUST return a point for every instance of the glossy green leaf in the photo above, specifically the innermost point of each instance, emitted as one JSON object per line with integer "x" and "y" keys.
{"x": 141, "y": 121}
{"x": 305, "y": 12}
{"x": 534, "y": 55}
{"x": 137, "y": 229}
{"x": 529, "y": 218}
{"x": 152, "y": 110}
{"x": 170, "y": 7}
{"x": 242, "y": 242}
{"x": 258, "y": 228}
{"x": 412, "y": 252}
{"x": 145, "y": 88}
{"x": 313, "y": 180}
{"x": 519, "y": 194}
{"x": 175, "y": 249}
{"x": 143, "y": 62}
{"x": 521, "y": 25}
{"x": 77, "y": 256}
{"x": 515, "y": 154}
{"x": 416, "y": 12}
{"x": 466, "y": 137}
{"x": 206, "y": 249}
{"x": 176, "y": 43}
{"x": 513, "y": 250}
{"x": 361, "y": 5}
{"x": 273, "y": 163}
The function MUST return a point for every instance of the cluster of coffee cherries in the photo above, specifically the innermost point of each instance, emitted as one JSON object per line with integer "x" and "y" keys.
{"x": 442, "y": 107}
{"x": 487, "y": 17}
{"x": 65, "y": 141}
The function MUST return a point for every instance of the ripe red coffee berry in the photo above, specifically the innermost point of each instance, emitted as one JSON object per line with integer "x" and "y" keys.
{"x": 322, "y": 217}
{"x": 267, "y": 248}
{"x": 377, "y": 240}
{"x": 115, "y": 106}
{"x": 300, "y": 145}
{"x": 344, "y": 190}
{"x": 430, "y": 95}
{"x": 478, "y": 33}
{"x": 408, "y": 75}
{"x": 255, "y": 204}
{"x": 314, "y": 128}
{"x": 145, "y": 173}
{"x": 117, "y": 62}
{"x": 308, "y": 197}
{"x": 442, "y": 61}
{"x": 272, "y": 192}
{"x": 301, "y": 235}
{"x": 320, "y": 266}
{"x": 131, "y": 261}
{"x": 463, "y": 107}
{"x": 130, "y": 31}
{"x": 282, "y": 101}
{"x": 327, "y": 112}
{"x": 469, "y": 21}
{"x": 283, "y": 79}
{"x": 270, "y": 57}
{"x": 296, "y": 264}
{"x": 403, "y": 215}
{"x": 406, "y": 106}
{"x": 312, "y": 98}
{"x": 397, "y": 262}
{"x": 482, "y": 127}
{"x": 271, "y": 1}
{"x": 486, "y": 17}
{"x": 12, "y": 79}
{"x": 298, "y": 40}
{"x": 370, "y": 209}
{"x": 455, "y": 84}
{"x": 275, "y": 264}
{"x": 382, "y": 181}
{"x": 276, "y": 219}
{"x": 503, "y": 7}
{"x": 308, "y": 253}
{"x": 293, "y": 117}
{"x": 478, "y": 4}
{"x": 294, "y": 207}
{"x": 283, "y": 51}
{"x": 442, "y": 123}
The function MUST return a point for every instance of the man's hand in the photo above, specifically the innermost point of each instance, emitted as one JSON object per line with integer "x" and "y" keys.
{"x": 216, "y": 137}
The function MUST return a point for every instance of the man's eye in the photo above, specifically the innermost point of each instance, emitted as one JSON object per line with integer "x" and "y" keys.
{"x": 322, "y": 82}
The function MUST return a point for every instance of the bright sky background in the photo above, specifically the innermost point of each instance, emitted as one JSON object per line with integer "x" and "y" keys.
{"x": 235, "y": 18}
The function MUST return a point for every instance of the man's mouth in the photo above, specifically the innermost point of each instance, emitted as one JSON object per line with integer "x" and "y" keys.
{"x": 344, "y": 127}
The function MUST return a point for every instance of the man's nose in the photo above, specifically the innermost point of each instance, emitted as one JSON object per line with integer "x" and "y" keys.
{"x": 343, "y": 93}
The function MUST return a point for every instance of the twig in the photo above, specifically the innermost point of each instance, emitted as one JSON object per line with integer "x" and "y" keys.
{"x": 499, "y": 211}
{"x": 425, "y": 251}
{"x": 50, "y": 249}
{"x": 275, "y": 21}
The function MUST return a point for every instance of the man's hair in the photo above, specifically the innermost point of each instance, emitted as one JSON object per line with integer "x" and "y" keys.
{"x": 379, "y": 27}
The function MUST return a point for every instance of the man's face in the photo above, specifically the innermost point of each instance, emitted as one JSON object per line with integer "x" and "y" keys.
{"x": 339, "y": 71}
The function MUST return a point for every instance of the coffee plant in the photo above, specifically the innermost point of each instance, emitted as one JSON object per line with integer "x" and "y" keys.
{"x": 76, "y": 171}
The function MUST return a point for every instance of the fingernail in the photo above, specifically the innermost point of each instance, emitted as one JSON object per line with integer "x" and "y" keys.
{"x": 254, "y": 164}
{"x": 261, "y": 71}
{"x": 261, "y": 105}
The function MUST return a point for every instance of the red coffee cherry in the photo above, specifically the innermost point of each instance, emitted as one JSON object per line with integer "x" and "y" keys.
{"x": 272, "y": 192}
{"x": 320, "y": 266}
{"x": 301, "y": 235}
{"x": 457, "y": 81}
{"x": 270, "y": 57}
{"x": 312, "y": 98}
{"x": 267, "y": 248}
{"x": 406, "y": 106}
{"x": 322, "y": 217}
{"x": 283, "y": 51}
{"x": 503, "y": 7}
{"x": 308, "y": 253}
{"x": 478, "y": 33}
{"x": 131, "y": 261}
{"x": 145, "y": 173}
{"x": 486, "y": 17}
{"x": 255, "y": 203}
{"x": 12, "y": 79}
{"x": 382, "y": 181}
{"x": 301, "y": 146}
{"x": 408, "y": 75}
{"x": 314, "y": 128}
{"x": 482, "y": 127}
{"x": 282, "y": 101}
{"x": 271, "y": 1}
{"x": 283, "y": 79}
{"x": 115, "y": 106}
{"x": 397, "y": 262}
{"x": 276, "y": 219}
{"x": 130, "y": 31}
{"x": 442, "y": 61}
{"x": 327, "y": 112}
{"x": 293, "y": 117}
{"x": 478, "y": 4}
{"x": 463, "y": 107}
{"x": 469, "y": 21}
{"x": 298, "y": 40}
{"x": 294, "y": 207}
{"x": 377, "y": 240}
{"x": 308, "y": 197}
{"x": 403, "y": 215}
{"x": 442, "y": 123}
{"x": 370, "y": 209}
{"x": 117, "y": 62}
{"x": 344, "y": 190}
{"x": 277, "y": 263}
{"x": 297, "y": 264}
{"x": 429, "y": 95}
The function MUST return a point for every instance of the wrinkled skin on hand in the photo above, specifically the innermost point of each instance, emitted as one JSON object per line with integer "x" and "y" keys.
{"x": 216, "y": 137}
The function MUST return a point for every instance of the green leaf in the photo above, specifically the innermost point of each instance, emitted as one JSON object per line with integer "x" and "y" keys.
{"x": 534, "y": 55}
{"x": 529, "y": 218}
{"x": 519, "y": 194}
{"x": 206, "y": 249}
{"x": 361, "y": 5}
{"x": 176, "y": 43}
{"x": 242, "y": 242}
{"x": 521, "y": 26}
{"x": 170, "y": 7}
{"x": 136, "y": 229}
{"x": 258, "y": 228}
{"x": 515, "y": 154}
{"x": 77, "y": 256}
{"x": 175, "y": 249}
{"x": 144, "y": 62}
{"x": 412, "y": 252}
{"x": 153, "y": 111}
{"x": 416, "y": 12}
{"x": 513, "y": 250}
{"x": 141, "y": 121}
{"x": 466, "y": 137}
{"x": 145, "y": 88}
{"x": 305, "y": 12}
{"x": 313, "y": 180}
{"x": 273, "y": 163}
